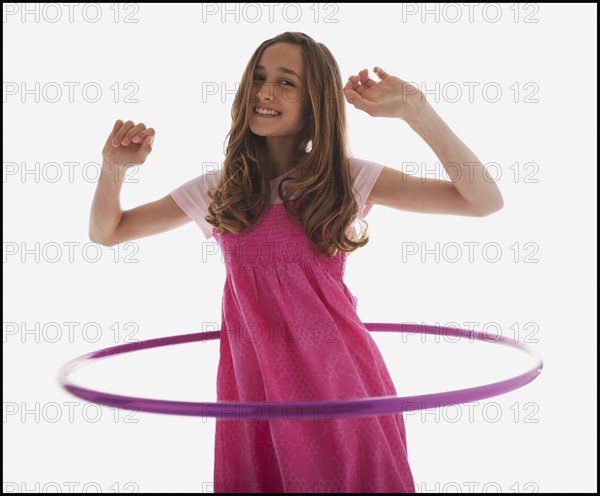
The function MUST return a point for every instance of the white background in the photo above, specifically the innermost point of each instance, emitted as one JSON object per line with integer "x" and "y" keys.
{"x": 540, "y": 289}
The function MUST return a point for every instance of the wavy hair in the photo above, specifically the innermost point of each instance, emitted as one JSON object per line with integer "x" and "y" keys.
{"x": 322, "y": 185}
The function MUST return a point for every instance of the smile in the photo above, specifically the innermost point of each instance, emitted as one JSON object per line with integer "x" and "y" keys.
{"x": 266, "y": 113}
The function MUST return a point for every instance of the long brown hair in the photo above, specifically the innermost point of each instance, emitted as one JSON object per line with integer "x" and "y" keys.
{"x": 322, "y": 184}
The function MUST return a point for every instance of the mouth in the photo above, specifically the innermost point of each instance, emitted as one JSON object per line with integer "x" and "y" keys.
{"x": 268, "y": 114}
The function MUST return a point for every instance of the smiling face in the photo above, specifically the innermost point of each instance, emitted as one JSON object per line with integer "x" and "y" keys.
{"x": 279, "y": 84}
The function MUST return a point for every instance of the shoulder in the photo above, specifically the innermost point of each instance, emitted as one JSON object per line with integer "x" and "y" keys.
{"x": 209, "y": 181}
{"x": 363, "y": 172}
{"x": 194, "y": 193}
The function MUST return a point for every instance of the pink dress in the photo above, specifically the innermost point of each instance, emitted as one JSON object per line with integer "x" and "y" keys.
{"x": 290, "y": 333}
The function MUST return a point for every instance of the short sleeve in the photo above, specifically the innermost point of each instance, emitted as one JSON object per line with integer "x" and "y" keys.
{"x": 192, "y": 197}
{"x": 364, "y": 174}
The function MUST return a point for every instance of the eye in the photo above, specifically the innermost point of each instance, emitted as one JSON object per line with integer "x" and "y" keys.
{"x": 289, "y": 83}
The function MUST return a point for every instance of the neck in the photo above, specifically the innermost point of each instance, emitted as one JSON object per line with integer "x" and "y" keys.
{"x": 281, "y": 155}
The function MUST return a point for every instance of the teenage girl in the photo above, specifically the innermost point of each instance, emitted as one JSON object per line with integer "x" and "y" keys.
{"x": 283, "y": 209}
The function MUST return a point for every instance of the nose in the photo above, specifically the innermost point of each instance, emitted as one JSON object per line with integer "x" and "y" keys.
{"x": 265, "y": 92}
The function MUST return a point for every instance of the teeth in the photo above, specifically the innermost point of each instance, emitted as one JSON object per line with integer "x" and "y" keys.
{"x": 267, "y": 112}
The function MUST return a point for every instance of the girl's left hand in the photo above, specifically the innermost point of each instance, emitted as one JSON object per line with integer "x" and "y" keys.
{"x": 390, "y": 97}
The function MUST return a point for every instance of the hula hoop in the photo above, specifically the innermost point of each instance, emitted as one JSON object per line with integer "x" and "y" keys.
{"x": 383, "y": 405}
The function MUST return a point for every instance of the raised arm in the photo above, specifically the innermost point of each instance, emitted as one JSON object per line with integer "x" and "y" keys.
{"x": 471, "y": 190}
{"x": 128, "y": 145}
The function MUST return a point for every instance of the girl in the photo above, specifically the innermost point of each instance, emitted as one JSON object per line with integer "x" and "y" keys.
{"x": 283, "y": 210}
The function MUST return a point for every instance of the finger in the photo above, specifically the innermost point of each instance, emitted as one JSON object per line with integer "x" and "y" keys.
{"x": 132, "y": 132}
{"x": 365, "y": 80}
{"x": 148, "y": 141}
{"x": 352, "y": 96}
{"x": 116, "y": 126}
{"x": 361, "y": 103}
{"x": 348, "y": 93}
{"x": 121, "y": 132}
{"x": 138, "y": 138}
{"x": 353, "y": 82}
{"x": 381, "y": 73}
{"x": 349, "y": 85}
{"x": 356, "y": 85}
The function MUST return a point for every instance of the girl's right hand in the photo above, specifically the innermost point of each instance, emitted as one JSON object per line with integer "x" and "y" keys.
{"x": 128, "y": 144}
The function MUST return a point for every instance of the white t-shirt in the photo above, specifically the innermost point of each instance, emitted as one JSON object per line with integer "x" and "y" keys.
{"x": 192, "y": 196}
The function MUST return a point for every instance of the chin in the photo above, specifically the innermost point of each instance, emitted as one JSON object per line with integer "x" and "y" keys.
{"x": 253, "y": 131}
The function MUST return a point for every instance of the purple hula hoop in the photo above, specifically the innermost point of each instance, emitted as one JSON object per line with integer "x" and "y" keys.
{"x": 384, "y": 405}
